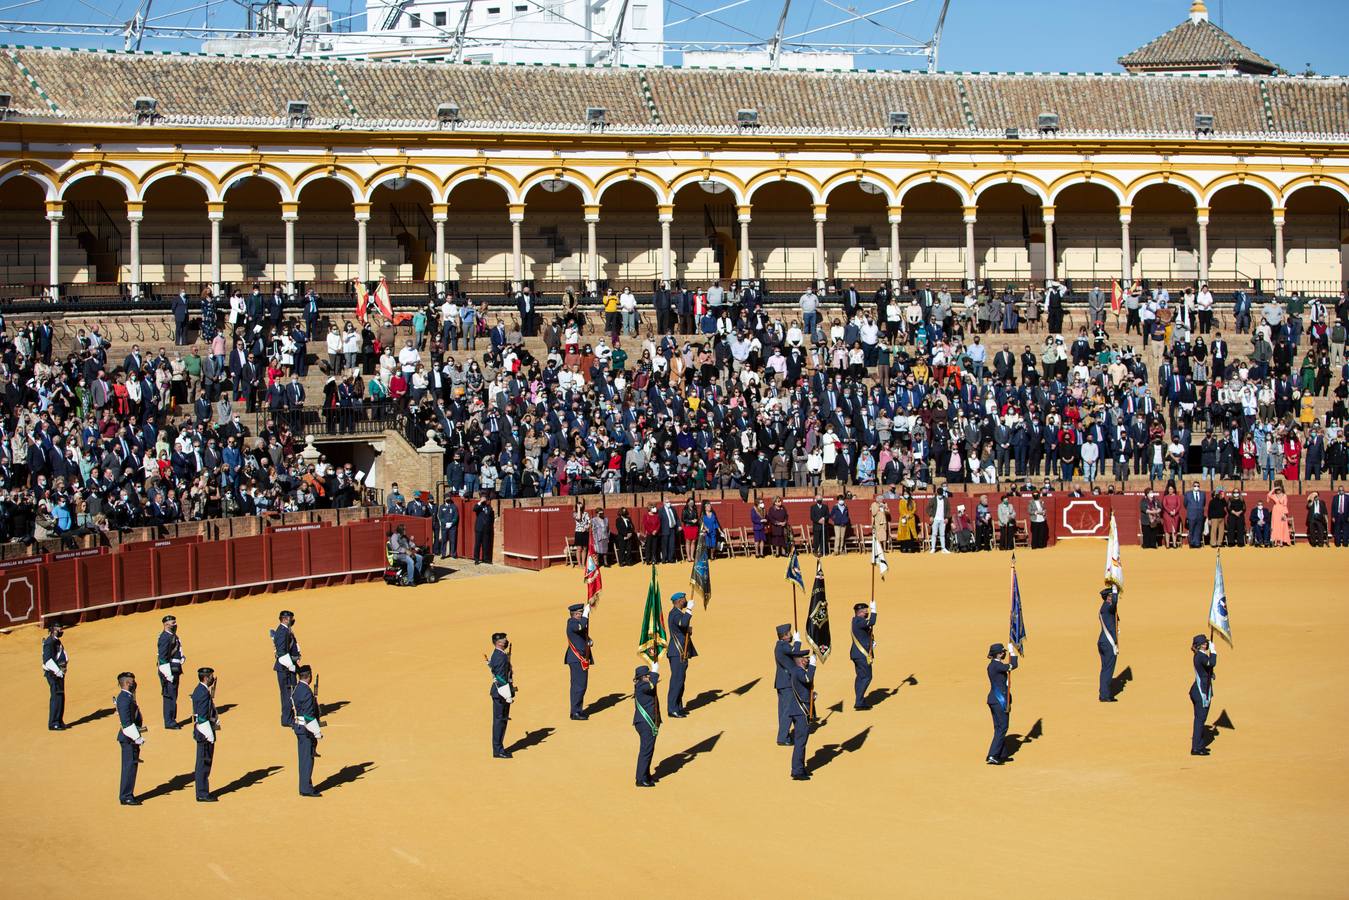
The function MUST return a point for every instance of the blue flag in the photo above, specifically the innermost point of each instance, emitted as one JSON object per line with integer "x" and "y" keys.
{"x": 794, "y": 571}
{"x": 700, "y": 579}
{"x": 1016, "y": 635}
{"x": 1217, "y": 607}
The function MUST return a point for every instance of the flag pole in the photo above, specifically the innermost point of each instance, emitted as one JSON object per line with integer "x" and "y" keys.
{"x": 795, "y": 626}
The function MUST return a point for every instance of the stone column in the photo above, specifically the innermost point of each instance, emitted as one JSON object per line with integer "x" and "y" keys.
{"x": 1051, "y": 267}
{"x": 362, "y": 212}
{"x": 894, "y": 214}
{"x": 592, "y": 220}
{"x": 1201, "y": 216}
{"x": 820, "y": 212}
{"x": 135, "y": 211}
{"x": 55, "y": 214}
{"x": 665, "y": 214}
{"x": 215, "y": 214}
{"x": 745, "y": 264}
{"x": 517, "y": 215}
{"x": 1126, "y": 267}
{"x": 1278, "y": 248}
{"x": 971, "y": 267}
{"x": 440, "y": 214}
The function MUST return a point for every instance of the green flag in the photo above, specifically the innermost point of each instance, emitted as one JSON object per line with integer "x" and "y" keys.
{"x": 651, "y": 643}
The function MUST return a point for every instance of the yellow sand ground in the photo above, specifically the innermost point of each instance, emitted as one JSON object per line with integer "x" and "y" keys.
{"x": 1106, "y": 801}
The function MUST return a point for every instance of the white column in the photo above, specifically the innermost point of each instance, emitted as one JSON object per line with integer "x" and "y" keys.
{"x": 592, "y": 220}
{"x": 666, "y": 217}
{"x": 971, "y": 269}
{"x": 746, "y": 262}
{"x": 134, "y": 220}
{"x": 517, "y": 215}
{"x": 289, "y": 220}
{"x": 894, "y": 215}
{"x": 1278, "y": 248}
{"x": 362, "y": 211}
{"x": 440, "y": 214}
{"x": 1201, "y": 216}
{"x": 55, "y": 213}
{"x": 1051, "y": 268}
{"x": 1126, "y": 267}
{"x": 820, "y": 212}
{"x": 215, "y": 214}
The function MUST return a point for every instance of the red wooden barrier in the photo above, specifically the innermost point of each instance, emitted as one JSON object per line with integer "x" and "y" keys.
{"x": 154, "y": 545}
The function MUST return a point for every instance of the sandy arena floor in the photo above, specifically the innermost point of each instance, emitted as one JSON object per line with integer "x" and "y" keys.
{"x": 1103, "y": 801}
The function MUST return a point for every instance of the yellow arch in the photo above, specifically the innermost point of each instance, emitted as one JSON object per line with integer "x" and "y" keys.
{"x": 785, "y": 173}
{"x": 267, "y": 172}
{"x": 852, "y": 176}
{"x": 1184, "y": 182}
{"x": 1011, "y": 176}
{"x": 415, "y": 173}
{"x": 1307, "y": 181}
{"x": 341, "y": 174}
{"x": 1109, "y": 182}
{"x": 35, "y": 171}
{"x": 571, "y": 176}
{"x": 708, "y": 174}
{"x": 191, "y": 171}
{"x": 90, "y": 168}
{"x": 651, "y": 180}
{"x": 936, "y": 176}
{"x": 1259, "y": 182}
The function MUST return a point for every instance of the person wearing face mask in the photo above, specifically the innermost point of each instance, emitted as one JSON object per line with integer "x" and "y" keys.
{"x": 170, "y": 665}
{"x": 54, "y": 664}
{"x": 129, "y": 736}
{"x": 287, "y": 651}
{"x": 206, "y": 722}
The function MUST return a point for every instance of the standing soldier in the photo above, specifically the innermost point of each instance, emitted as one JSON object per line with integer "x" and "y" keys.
{"x": 206, "y": 723}
{"x": 646, "y": 719}
{"x": 54, "y": 663}
{"x": 287, "y": 651}
{"x": 130, "y": 737}
{"x": 579, "y": 657}
{"x": 170, "y": 665}
{"x": 1108, "y": 643}
{"x": 863, "y": 651}
{"x": 1201, "y": 692}
{"x": 680, "y": 651}
{"x": 802, "y": 687}
{"x": 782, "y": 682}
{"x": 502, "y": 692}
{"x": 446, "y": 525}
{"x": 999, "y": 699}
{"x": 305, "y": 722}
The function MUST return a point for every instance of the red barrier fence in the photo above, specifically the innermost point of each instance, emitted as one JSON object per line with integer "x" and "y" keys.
{"x": 535, "y": 538}
{"x": 87, "y": 584}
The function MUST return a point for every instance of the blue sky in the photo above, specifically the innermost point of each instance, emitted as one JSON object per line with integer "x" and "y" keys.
{"x": 980, "y": 35}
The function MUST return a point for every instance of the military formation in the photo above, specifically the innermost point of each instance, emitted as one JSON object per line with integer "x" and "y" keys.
{"x": 795, "y": 666}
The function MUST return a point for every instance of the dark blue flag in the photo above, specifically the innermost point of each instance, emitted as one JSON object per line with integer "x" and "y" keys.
{"x": 1016, "y": 635}
{"x": 794, "y": 571}
{"x": 700, "y": 579}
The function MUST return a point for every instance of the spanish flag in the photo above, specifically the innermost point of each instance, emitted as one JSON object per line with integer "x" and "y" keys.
{"x": 1116, "y": 296}
{"x": 362, "y": 298}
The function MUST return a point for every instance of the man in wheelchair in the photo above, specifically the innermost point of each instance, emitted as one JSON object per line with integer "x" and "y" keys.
{"x": 416, "y": 561}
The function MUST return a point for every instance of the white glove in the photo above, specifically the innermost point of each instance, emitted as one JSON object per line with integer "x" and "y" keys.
{"x": 1210, "y": 648}
{"x": 1011, "y": 648}
{"x": 688, "y": 610}
{"x": 873, "y": 607}
{"x": 180, "y": 660}
{"x": 655, "y": 667}
{"x": 312, "y": 726}
{"x": 585, "y": 613}
{"x": 286, "y": 662}
{"x": 206, "y": 732}
{"x": 812, "y": 660}
{"x": 796, "y": 636}
{"x": 51, "y": 666}
{"x": 134, "y": 733}
{"x": 167, "y": 672}
{"x": 505, "y": 691}
{"x": 510, "y": 699}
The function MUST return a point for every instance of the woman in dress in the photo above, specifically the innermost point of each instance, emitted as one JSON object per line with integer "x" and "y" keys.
{"x": 690, "y": 520}
{"x": 758, "y": 522}
{"x": 1292, "y": 456}
{"x": 711, "y": 529}
{"x": 1171, "y": 515}
{"x": 1281, "y": 522}
{"x": 599, "y": 531}
{"x": 777, "y": 527}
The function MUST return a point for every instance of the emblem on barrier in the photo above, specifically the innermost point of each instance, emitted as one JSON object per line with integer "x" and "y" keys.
{"x": 1083, "y": 518}
{"x": 19, "y": 599}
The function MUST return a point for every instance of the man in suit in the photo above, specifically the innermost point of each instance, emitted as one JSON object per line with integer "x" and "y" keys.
{"x": 54, "y": 664}
{"x": 170, "y": 665}
{"x": 287, "y": 655}
{"x": 1195, "y": 506}
{"x": 863, "y": 651}
{"x": 1107, "y": 645}
{"x": 819, "y": 518}
{"x": 180, "y": 318}
{"x": 579, "y": 656}
{"x": 502, "y": 692}
{"x": 679, "y": 652}
{"x": 129, "y": 737}
{"x": 308, "y": 731}
{"x": 295, "y": 397}
{"x": 1339, "y": 517}
{"x": 205, "y": 724}
{"x": 669, "y": 533}
{"x": 646, "y": 719}
{"x": 801, "y": 687}
{"x": 524, "y": 303}
{"x": 1201, "y": 691}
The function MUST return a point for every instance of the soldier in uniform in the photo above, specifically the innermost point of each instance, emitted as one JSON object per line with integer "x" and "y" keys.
{"x": 999, "y": 699}
{"x": 1201, "y": 691}
{"x": 646, "y": 719}
{"x": 802, "y": 685}
{"x": 863, "y": 651}
{"x": 169, "y": 655}
{"x": 129, "y": 736}
{"x": 305, "y": 722}
{"x": 1108, "y": 643}
{"x": 680, "y": 651}
{"x": 206, "y": 722}
{"x": 579, "y": 656}
{"x": 287, "y": 652}
{"x": 782, "y": 682}
{"x": 54, "y": 664}
{"x": 502, "y": 692}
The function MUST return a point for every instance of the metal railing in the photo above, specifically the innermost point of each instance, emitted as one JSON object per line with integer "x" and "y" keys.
{"x": 342, "y": 421}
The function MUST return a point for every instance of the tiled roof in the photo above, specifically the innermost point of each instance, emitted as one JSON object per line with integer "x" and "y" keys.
{"x": 1193, "y": 45}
